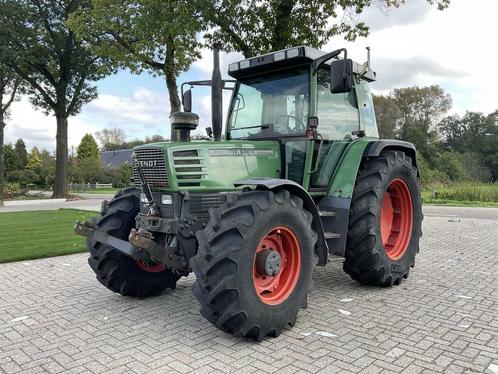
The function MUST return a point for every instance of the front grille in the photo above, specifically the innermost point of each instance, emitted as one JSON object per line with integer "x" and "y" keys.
{"x": 153, "y": 164}
{"x": 188, "y": 168}
{"x": 201, "y": 202}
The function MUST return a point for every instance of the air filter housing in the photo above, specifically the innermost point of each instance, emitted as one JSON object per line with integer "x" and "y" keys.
{"x": 182, "y": 123}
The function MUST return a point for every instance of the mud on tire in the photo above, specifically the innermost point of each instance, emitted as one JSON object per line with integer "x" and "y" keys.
{"x": 116, "y": 271}
{"x": 367, "y": 259}
{"x": 224, "y": 263}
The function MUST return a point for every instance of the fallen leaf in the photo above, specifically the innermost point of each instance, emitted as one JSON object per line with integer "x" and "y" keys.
{"x": 345, "y": 312}
{"x": 22, "y": 318}
{"x": 463, "y": 297}
{"x": 306, "y": 333}
{"x": 346, "y": 300}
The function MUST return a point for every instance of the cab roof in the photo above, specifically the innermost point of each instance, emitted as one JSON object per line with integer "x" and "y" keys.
{"x": 289, "y": 57}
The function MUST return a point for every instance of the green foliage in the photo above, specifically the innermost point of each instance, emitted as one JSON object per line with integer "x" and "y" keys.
{"x": 11, "y": 190}
{"x": 34, "y": 159}
{"x": 157, "y": 36}
{"x": 86, "y": 170}
{"x": 387, "y": 114}
{"x": 23, "y": 177}
{"x": 58, "y": 67}
{"x": 22, "y": 153}
{"x": 12, "y": 161}
{"x": 88, "y": 148}
{"x": 255, "y": 27}
{"x": 473, "y": 133}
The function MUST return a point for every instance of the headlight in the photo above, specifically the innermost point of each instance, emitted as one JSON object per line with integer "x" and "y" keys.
{"x": 143, "y": 198}
{"x": 166, "y": 199}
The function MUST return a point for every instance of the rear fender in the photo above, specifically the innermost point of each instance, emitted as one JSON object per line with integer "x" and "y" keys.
{"x": 275, "y": 184}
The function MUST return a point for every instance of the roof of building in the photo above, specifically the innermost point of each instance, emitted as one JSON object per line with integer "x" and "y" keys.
{"x": 115, "y": 159}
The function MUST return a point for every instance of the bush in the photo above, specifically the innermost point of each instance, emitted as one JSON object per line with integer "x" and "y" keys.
{"x": 11, "y": 190}
{"x": 22, "y": 177}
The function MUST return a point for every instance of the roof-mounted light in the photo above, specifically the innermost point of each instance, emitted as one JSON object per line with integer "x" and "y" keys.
{"x": 277, "y": 56}
{"x": 244, "y": 64}
{"x": 294, "y": 52}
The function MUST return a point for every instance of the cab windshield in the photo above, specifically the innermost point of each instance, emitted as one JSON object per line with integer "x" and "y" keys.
{"x": 271, "y": 105}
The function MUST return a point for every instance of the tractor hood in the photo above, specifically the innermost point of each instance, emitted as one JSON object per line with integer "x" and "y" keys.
{"x": 205, "y": 165}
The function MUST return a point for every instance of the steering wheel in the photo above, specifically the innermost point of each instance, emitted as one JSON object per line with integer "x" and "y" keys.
{"x": 297, "y": 124}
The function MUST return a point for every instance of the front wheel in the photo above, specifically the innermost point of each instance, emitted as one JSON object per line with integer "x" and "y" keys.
{"x": 385, "y": 220}
{"x": 254, "y": 264}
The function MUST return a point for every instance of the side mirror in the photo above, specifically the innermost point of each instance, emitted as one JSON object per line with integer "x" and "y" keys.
{"x": 187, "y": 101}
{"x": 341, "y": 76}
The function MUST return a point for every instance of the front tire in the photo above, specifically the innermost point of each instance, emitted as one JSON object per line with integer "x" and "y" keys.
{"x": 116, "y": 271}
{"x": 385, "y": 220}
{"x": 249, "y": 242}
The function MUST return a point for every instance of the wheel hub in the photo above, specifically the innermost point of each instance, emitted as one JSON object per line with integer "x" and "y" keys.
{"x": 268, "y": 262}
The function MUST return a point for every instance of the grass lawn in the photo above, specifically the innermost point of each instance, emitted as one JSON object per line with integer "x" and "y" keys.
{"x": 463, "y": 194}
{"x": 30, "y": 235}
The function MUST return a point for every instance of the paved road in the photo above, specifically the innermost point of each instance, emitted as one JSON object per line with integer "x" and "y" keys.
{"x": 55, "y": 317}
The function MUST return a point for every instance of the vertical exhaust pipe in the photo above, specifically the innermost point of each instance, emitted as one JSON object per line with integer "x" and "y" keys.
{"x": 216, "y": 94}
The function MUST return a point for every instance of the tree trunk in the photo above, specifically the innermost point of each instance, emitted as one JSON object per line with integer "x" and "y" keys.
{"x": 170, "y": 73}
{"x": 60, "y": 185}
{"x": 283, "y": 29}
{"x": 2, "y": 159}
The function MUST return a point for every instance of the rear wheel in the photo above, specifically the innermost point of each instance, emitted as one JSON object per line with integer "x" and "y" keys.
{"x": 385, "y": 220}
{"x": 254, "y": 264}
{"x": 116, "y": 271}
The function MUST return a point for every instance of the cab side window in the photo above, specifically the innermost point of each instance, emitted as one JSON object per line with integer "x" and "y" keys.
{"x": 337, "y": 113}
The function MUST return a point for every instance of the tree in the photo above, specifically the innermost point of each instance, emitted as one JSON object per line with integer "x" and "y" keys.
{"x": 420, "y": 110}
{"x": 9, "y": 85}
{"x": 88, "y": 148}
{"x": 39, "y": 47}
{"x": 34, "y": 159}
{"x": 111, "y": 138}
{"x": 474, "y": 133}
{"x": 22, "y": 153}
{"x": 12, "y": 161}
{"x": 261, "y": 26}
{"x": 387, "y": 114}
{"x": 153, "y": 35}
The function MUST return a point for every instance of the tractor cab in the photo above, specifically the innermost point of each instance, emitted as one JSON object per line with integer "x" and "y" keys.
{"x": 296, "y": 95}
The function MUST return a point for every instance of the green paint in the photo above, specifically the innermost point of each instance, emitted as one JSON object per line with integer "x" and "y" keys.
{"x": 219, "y": 165}
{"x": 344, "y": 177}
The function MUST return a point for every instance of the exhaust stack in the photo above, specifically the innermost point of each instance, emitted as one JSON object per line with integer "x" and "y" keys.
{"x": 216, "y": 94}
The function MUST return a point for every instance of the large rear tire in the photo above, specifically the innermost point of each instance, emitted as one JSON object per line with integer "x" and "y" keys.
{"x": 385, "y": 220}
{"x": 254, "y": 264}
{"x": 116, "y": 271}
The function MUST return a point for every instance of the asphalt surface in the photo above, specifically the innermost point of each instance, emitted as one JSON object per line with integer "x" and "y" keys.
{"x": 55, "y": 317}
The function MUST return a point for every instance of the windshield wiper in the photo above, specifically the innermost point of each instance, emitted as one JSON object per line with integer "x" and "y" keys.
{"x": 263, "y": 126}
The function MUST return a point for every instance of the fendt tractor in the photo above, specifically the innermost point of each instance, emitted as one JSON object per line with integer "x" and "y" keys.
{"x": 298, "y": 176}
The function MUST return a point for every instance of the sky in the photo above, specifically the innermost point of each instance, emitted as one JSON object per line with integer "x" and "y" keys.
{"x": 412, "y": 45}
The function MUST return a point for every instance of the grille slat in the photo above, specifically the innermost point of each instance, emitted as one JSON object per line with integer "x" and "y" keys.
{"x": 153, "y": 164}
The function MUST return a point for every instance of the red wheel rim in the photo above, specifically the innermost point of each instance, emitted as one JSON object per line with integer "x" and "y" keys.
{"x": 276, "y": 289}
{"x": 396, "y": 219}
{"x": 150, "y": 268}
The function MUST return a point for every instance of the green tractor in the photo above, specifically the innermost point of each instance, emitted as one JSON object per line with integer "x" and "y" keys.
{"x": 299, "y": 175}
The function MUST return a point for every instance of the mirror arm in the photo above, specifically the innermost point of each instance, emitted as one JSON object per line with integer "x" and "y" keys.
{"x": 321, "y": 60}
